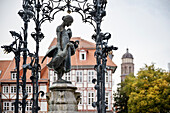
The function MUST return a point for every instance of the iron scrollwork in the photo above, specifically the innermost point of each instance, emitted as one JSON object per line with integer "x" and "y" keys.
{"x": 91, "y": 11}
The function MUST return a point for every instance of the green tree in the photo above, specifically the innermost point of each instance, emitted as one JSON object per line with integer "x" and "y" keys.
{"x": 121, "y": 100}
{"x": 149, "y": 92}
{"x": 121, "y": 96}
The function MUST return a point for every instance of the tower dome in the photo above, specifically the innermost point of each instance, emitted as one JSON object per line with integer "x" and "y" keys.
{"x": 127, "y": 54}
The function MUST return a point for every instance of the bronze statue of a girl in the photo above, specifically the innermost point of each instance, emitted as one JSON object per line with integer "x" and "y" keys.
{"x": 61, "y": 53}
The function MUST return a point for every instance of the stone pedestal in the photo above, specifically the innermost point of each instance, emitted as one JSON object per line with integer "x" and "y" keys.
{"x": 63, "y": 98}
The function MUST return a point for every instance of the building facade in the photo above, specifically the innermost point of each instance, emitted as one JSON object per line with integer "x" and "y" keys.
{"x": 8, "y": 86}
{"x": 127, "y": 65}
{"x": 81, "y": 76}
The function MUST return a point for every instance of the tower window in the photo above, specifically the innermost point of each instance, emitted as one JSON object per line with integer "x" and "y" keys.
{"x": 125, "y": 70}
{"x": 130, "y": 70}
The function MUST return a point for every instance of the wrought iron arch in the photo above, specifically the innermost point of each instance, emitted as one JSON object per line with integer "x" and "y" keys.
{"x": 91, "y": 11}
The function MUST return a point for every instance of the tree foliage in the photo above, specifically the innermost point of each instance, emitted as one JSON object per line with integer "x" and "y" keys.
{"x": 121, "y": 96}
{"x": 121, "y": 100}
{"x": 149, "y": 92}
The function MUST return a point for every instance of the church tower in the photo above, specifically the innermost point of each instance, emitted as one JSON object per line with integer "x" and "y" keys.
{"x": 127, "y": 65}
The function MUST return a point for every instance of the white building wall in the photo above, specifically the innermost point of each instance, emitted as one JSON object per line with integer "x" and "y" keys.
{"x": 43, "y": 106}
{"x": 44, "y": 89}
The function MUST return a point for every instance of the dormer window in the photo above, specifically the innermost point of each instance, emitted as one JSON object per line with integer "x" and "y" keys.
{"x": 13, "y": 75}
{"x": 82, "y": 55}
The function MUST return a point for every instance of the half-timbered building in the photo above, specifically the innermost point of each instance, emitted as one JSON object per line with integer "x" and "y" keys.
{"x": 81, "y": 76}
{"x": 8, "y": 86}
{"x": 83, "y": 72}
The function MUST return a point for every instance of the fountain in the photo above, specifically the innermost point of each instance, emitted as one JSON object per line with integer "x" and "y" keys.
{"x": 62, "y": 97}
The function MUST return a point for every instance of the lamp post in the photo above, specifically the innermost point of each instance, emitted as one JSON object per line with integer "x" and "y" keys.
{"x": 26, "y": 14}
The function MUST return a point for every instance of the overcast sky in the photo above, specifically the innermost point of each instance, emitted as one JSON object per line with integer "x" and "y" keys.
{"x": 143, "y": 26}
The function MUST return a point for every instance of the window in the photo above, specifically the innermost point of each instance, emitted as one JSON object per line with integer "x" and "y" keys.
{"x": 5, "y": 89}
{"x": 81, "y": 99}
{"x": 13, "y": 75}
{"x": 28, "y": 106}
{"x": 13, "y": 89}
{"x": 68, "y": 76}
{"x": 0, "y": 72}
{"x": 125, "y": 69}
{"x": 91, "y": 74}
{"x": 107, "y": 77}
{"x": 29, "y": 89}
{"x": 79, "y": 76}
{"x": 12, "y": 106}
{"x": 82, "y": 55}
{"x": 90, "y": 98}
{"x": 6, "y": 106}
{"x": 107, "y": 99}
{"x": 127, "y": 60}
{"x": 130, "y": 70}
{"x": 55, "y": 77}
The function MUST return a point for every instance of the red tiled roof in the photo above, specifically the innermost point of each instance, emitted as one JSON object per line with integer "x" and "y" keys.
{"x": 3, "y": 66}
{"x": 90, "y": 59}
{"x": 90, "y": 48}
{"x": 6, "y": 76}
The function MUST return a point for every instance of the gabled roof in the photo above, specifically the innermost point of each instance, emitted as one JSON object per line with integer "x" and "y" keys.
{"x": 90, "y": 48}
{"x": 6, "y": 76}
